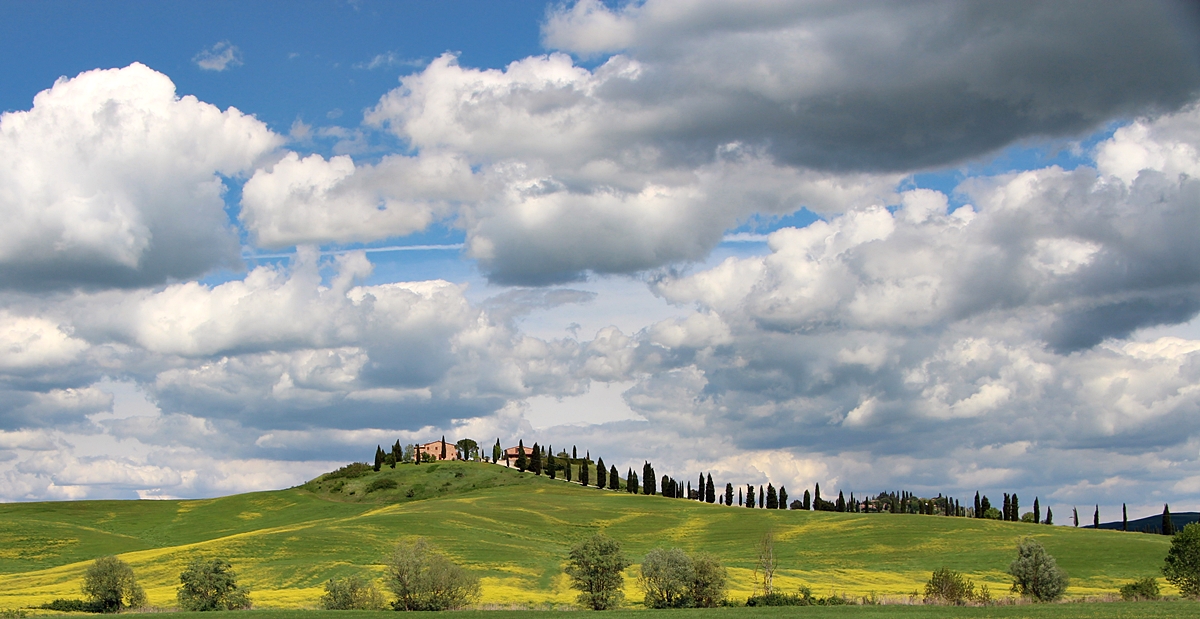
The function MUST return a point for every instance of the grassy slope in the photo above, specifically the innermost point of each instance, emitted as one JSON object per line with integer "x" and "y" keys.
{"x": 514, "y": 529}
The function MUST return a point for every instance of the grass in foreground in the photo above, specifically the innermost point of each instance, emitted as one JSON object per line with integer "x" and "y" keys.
{"x": 514, "y": 530}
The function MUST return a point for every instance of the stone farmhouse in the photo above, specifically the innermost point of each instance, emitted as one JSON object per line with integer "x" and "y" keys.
{"x": 440, "y": 450}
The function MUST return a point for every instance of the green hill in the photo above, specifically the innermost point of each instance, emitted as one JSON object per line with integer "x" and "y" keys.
{"x": 514, "y": 529}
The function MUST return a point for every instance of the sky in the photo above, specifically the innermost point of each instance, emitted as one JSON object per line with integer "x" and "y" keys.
{"x": 944, "y": 247}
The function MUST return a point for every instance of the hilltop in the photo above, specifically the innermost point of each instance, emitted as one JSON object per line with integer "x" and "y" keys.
{"x": 514, "y": 529}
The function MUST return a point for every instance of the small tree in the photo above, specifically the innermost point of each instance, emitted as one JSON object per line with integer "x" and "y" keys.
{"x": 601, "y": 474}
{"x": 1182, "y": 566}
{"x": 949, "y": 587}
{"x": 584, "y": 467}
{"x": 423, "y": 578}
{"x": 647, "y": 479}
{"x": 667, "y": 576}
{"x": 468, "y": 449}
{"x": 1049, "y": 516}
{"x": 497, "y": 452}
{"x": 522, "y": 461}
{"x": 351, "y": 593}
{"x": 728, "y": 494}
{"x": 378, "y": 458}
{"x": 595, "y": 566}
{"x": 1036, "y": 574}
{"x": 1139, "y": 590}
{"x": 783, "y": 504}
{"x": 772, "y": 497}
{"x": 535, "y": 460}
{"x": 709, "y": 582}
{"x": 551, "y": 465}
{"x": 614, "y": 479}
{"x": 807, "y": 504}
{"x": 710, "y": 492}
{"x": 110, "y": 586}
{"x": 211, "y": 585}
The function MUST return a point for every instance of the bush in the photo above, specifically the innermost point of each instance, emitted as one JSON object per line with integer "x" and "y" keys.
{"x": 110, "y": 586}
{"x": 72, "y": 606}
{"x": 1036, "y": 574}
{"x": 382, "y": 483}
{"x": 949, "y": 587}
{"x": 673, "y": 579}
{"x": 211, "y": 585}
{"x": 350, "y": 471}
{"x": 425, "y": 579}
{"x": 351, "y": 593}
{"x": 1182, "y": 567}
{"x": 802, "y": 597}
{"x": 595, "y": 567}
{"x": 1144, "y": 589}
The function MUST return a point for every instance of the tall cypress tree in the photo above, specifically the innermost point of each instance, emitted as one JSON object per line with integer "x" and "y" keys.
{"x": 772, "y": 497}
{"x": 1049, "y": 516}
{"x": 841, "y": 502}
{"x": 397, "y": 453}
{"x": 1016, "y": 507}
{"x": 614, "y": 480}
{"x": 444, "y": 448}
{"x": 739, "y": 496}
{"x": 648, "y": 479}
{"x": 535, "y": 463}
{"x": 664, "y": 485}
{"x": 378, "y": 457}
{"x": 566, "y": 467}
{"x": 985, "y": 504}
{"x": 750, "y": 500}
{"x": 728, "y": 494}
{"x": 584, "y": 472}
{"x": 710, "y": 492}
{"x": 1168, "y": 525}
{"x": 522, "y": 461}
{"x": 689, "y": 490}
{"x": 978, "y": 511}
{"x": 1037, "y": 511}
{"x": 762, "y": 498}
{"x": 1006, "y": 511}
{"x": 817, "y": 498}
{"x": 1075, "y": 515}
{"x": 782, "y": 498}
{"x": 1124, "y": 517}
{"x": 1096, "y": 518}
{"x": 497, "y": 452}
{"x": 601, "y": 473}
{"x": 574, "y": 455}
{"x": 806, "y": 504}
{"x": 631, "y": 482}
{"x": 551, "y": 464}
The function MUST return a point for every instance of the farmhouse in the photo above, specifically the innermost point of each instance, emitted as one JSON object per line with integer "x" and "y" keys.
{"x": 439, "y": 450}
{"x": 512, "y": 453}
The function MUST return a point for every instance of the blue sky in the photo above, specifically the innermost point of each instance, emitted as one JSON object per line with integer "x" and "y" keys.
{"x": 751, "y": 238}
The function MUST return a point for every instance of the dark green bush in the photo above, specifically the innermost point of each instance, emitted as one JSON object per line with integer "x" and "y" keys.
{"x": 949, "y": 587}
{"x": 350, "y": 471}
{"x": 1144, "y": 589}
{"x": 73, "y": 606}
{"x": 381, "y": 484}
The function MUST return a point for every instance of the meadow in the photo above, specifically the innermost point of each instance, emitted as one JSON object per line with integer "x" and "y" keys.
{"x": 514, "y": 530}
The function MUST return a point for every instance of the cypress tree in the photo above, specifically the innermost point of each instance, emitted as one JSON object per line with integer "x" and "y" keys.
{"x": 566, "y": 467}
{"x": 631, "y": 482}
{"x": 497, "y": 452}
{"x": 1124, "y": 518}
{"x": 762, "y": 498}
{"x": 1007, "y": 510}
{"x": 1096, "y": 518}
{"x": 817, "y": 498}
{"x": 710, "y": 492}
{"x": 985, "y": 504}
{"x": 551, "y": 464}
{"x": 584, "y": 473}
{"x": 1037, "y": 511}
{"x": 378, "y": 458}
{"x": 1049, "y": 516}
{"x": 772, "y": 497}
{"x": 601, "y": 474}
{"x": 1168, "y": 525}
{"x": 739, "y": 496}
{"x": 522, "y": 461}
{"x": 841, "y": 502}
{"x": 574, "y": 455}
{"x": 689, "y": 490}
{"x": 806, "y": 504}
{"x": 1016, "y": 507}
{"x": 535, "y": 463}
{"x": 978, "y": 511}
{"x": 782, "y": 498}
{"x": 728, "y": 494}
{"x": 397, "y": 452}
{"x": 664, "y": 487}
{"x": 614, "y": 479}
{"x": 648, "y": 479}
{"x": 444, "y": 448}
{"x": 1075, "y": 515}
{"x": 750, "y": 500}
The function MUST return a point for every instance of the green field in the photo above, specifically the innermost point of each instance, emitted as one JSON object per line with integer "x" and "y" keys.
{"x": 514, "y": 530}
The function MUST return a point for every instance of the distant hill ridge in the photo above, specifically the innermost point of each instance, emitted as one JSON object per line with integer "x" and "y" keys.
{"x": 1152, "y": 524}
